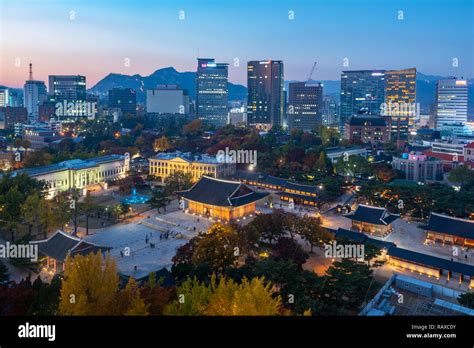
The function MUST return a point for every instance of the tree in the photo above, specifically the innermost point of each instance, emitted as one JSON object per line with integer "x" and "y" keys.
{"x": 161, "y": 144}
{"x": 89, "y": 285}
{"x": 4, "y": 275}
{"x": 178, "y": 181}
{"x": 384, "y": 172}
{"x": 270, "y": 226}
{"x": 467, "y": 299}
{"x": 13, "y": 194}
{"x": 158, "y": 200}
{"x": 251, "y": 297}
{"x": 346, "y": 285}
{"x": 225, "y": 297}
{"x": 461, "y": 175}
{"x": 321, "y": 164}
{"x": 35, "y": 212}
{"x": 121, "y": 209}
{"x": 131, "y": 301}
{"x": 193, "y": 128}
{"x": 310, "y": 229}
{"x": 288, "y": 249}
{"x": 37, "y": 159}
{"x": 217, "y": 248}
{"x": 193, "y": 297}
{"x": 86, "y": 207}
{"x": 61, "y": 210}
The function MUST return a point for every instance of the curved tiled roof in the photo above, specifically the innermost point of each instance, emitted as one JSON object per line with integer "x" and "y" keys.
{"x": 62, "y": 244}
{"x": 222, "y": 193}
{"x": 450, "y": 225}
{"x": 372, "y": 215}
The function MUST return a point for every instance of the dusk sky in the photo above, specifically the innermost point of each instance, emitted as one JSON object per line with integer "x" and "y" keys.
{"x": 150, "y": 34}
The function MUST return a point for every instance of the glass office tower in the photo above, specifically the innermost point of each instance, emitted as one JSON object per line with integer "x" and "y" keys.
{"x": 265, "y": 101}
{"x": 212, "y": 92}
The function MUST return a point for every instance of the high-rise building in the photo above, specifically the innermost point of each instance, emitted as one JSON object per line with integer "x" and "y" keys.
{"x": 451, "y": 102}
{"x": 34, "y": 94}
{"x": 305, "y": 105}
{"x": 15, "y": 98}
{"x": 212, "y": 92}
{"x": 123, "y": 98}
{"x": 167, "y": 99}
{"x": 11, "y": 115}
{"x": 4, "y": 97}
{"x": 69, "y": 88}
{"x": 265, "y": 101}
{"x": 362, "y": 91}
{"x": 330, "y": 111}
{"x": 400, "y": 101}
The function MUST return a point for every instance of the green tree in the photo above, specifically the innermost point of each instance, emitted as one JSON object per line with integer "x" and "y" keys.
{"x": 86, "y": 207}
{"x": 193, "y": 297}
{"x": 461, "y": 175}
{"x": 158, "y": 200}
{"x": 178, "y": 181}
{"x": 467, "y": 299}
{"x": 346, "y": 285}
{"x": 35, "y": 212}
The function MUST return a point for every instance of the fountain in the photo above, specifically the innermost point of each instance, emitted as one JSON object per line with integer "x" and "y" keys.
{"x": 135, "y": 198}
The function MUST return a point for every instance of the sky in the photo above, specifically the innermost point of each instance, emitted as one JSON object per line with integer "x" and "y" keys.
{"x": 98, "y": 37}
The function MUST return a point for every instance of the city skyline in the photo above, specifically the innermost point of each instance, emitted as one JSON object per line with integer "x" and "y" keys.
{"x": 248, "y": 32}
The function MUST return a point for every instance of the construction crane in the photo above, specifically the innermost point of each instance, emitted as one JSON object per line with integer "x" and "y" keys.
{"x": 312, "y": 71}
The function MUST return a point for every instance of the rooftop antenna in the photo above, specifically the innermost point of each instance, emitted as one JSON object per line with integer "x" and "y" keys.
{"x": 31, "y": 72}
{"x": 198, "y": 52}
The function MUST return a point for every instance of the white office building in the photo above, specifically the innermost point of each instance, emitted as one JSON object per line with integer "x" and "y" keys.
{"x": 451, "y": 102}
{"x": 167, "y": 99}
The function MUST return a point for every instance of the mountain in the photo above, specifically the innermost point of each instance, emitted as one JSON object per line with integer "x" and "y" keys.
{"x": 425, "y": 86}
{"x": 186, "y": 80}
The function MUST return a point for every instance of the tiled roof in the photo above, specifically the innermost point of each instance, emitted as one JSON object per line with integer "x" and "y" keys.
{"x": 61, "y": 244}
{"x": 221, "y": 193}
{"x": 450, "y": 225}
{"x": 372, "y": 215}
{"x": 431, "y": 261}
{"x": 359, "y": 237}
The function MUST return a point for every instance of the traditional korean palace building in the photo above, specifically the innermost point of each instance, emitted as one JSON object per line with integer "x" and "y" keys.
{"x": 220, "y": 199}
{"x": 452, "y": 230}
{"x": 287, "y": 190}
{"x": 166, "y": 164}
{"x": 80, "y": 174}
{"x": 431, "y": 266}
{"x": 61, "y": 245}
{"x": 372, "y": 220}
{"x": 412, "y": 261}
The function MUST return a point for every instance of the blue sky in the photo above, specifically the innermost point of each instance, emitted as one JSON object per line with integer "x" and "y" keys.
{"x": 150, "y": 34}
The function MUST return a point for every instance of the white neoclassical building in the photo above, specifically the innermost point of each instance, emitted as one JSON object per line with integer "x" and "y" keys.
{"x": 80, "y": 174}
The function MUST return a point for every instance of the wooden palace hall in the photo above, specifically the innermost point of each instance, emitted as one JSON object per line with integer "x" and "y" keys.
{"x": 220, "y": 199}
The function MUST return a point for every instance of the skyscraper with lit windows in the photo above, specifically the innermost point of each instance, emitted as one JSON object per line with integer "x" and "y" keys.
{"x": 400, "y": 100}
{"x": 265, "y": 101}
{"x": 212, "y": 92}
{"x": 362, "y": 91}
{"x": 305, "y": 104}
{"x": 451, "y": 102}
